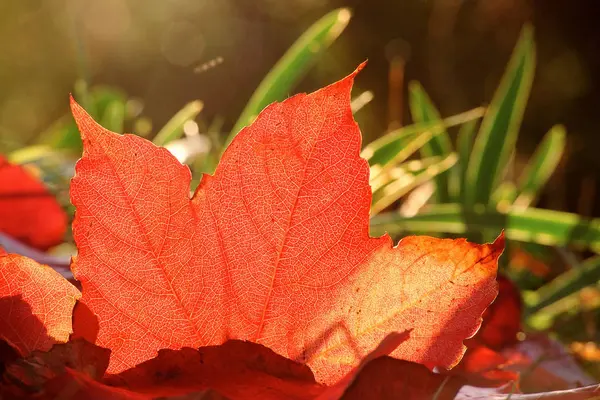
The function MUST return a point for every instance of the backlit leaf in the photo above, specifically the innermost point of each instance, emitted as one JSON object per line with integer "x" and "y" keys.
{"x": 35, "y": 304}
{"x": 274, "y": 248}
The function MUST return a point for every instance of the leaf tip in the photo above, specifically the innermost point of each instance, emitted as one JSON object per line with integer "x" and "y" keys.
{"x": 359, "y": 68}
{"x": 499, "y": 244}
{"x": 81, "y": 116}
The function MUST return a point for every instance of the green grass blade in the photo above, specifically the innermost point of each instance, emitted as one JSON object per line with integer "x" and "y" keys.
{"x": 400, "y": 187}
{"x": 500, "y": 126}
{"x": 174, "y": 128}
{"x": 572, "y": 281}
{"x": 504, "y": 196}
{"x": 293, "y": 65}
{"x": 423, "y": 110}
{"x": 466, "y": 134}
{"x": 384, "y": 149}
{"x": 411, "y": 166}
{"x": 31, "y": 154}
{"x": 542, "y": 165}
{"x": 409, "y": 148}
{"x": 113, "y": 118}
{"x": 532, "y": 225}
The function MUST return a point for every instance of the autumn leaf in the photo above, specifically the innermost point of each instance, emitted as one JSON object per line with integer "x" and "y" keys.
{"x": 545, "y": 365}
{"x": 36, "y": 303}
{"x": 236, "y": 370}
{"x": 482, "y": 366}
{"x": 476, "y": 393}
{"x": 502, "y": 319}
{"x": 387, "y": 379}
{"x": 483, "y": 363}
{"x": 274, "y": 248}
{"x": 31, "y": 374}
{"x": 28, "y": 212}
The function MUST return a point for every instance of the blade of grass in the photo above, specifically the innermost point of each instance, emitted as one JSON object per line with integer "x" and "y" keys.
{"x": 31, "y": 154}
{"x": 504, "y": 196}
{"x": 412, "y": 166}
{"x": 423, "y": 110}
{"x": 174, "y": 128}
{"x": 409, "y": 149}
{"x": 580, "y": 276}
{"x": 292, "y": 66}
{"x": 500, "y": 126}
{"x": 396, "y": 189}
{"x": 464, "y": 148}
{"x": 532, "y": 225}
{"x": 384, "y": 149}
{"x": 541, "y": 166}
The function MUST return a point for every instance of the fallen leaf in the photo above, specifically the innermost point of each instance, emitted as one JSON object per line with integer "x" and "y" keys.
{"x": 28, "y": 212}
{"x": 36, "y": 304}
{"x": 381, "y": 377}
{"x": 33, "y": 372}
{"x": 386, "y": 347}
{"x": 76, "y": 385}
{"x": 235, "y": 369}
{"x": 387, "y": 379}
{"x": 502, "y": 319}
{"x": 482, "y": 366}
{"x": 545, "y": 365}
{"x": 476, "y": 393}
{"x": 274, "y": 248}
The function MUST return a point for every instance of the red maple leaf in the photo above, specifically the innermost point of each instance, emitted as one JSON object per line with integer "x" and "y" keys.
{"x": 28, "y": 212}
{"x": 36, "y": 303}
{"x": 274, "y": 248}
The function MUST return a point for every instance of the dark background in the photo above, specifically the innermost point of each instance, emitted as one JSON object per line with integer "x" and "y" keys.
{"x": 456, "y": 49}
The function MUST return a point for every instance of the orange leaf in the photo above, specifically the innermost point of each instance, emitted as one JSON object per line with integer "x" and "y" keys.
{"x": 36, "y": 303}
{"x": 274, "y": 248}
{"x": 28, "y": 212}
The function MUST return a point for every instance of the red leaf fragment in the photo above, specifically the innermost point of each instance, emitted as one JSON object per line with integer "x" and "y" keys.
{"x": 502, "y": 319}
{"x": 274, "y": 248}
{"x": 236, "y": 369}
{"x": 482, "y": 366}
{"x": 36, "y": 304}
{"x": 386, "y": 347}
{"x": 31, "y": 374}
{"x": 476, "y": 393}
{"x": 76, "y": 385}
{"x": 388, "y": 379}
{"x": 28, "y": 212}
{"x": 546, "y": 365}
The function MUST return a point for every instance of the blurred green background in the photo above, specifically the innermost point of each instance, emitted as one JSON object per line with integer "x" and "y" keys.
{"x": 152, "y": 49}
